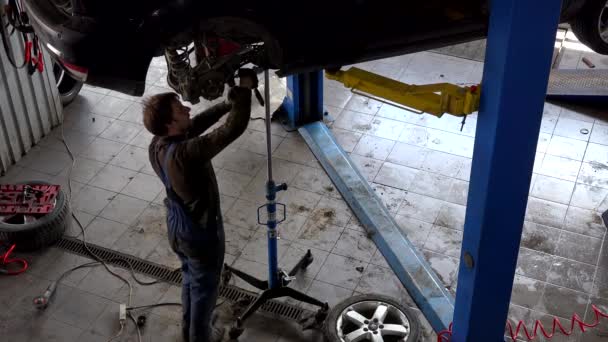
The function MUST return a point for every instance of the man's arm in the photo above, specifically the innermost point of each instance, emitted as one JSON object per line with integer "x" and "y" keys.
{"x": 208, "y": 117}
{"x": 209, "y": 145}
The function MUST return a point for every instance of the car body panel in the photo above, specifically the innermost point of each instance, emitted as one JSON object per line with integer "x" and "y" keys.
{"x": 116, "y": 39}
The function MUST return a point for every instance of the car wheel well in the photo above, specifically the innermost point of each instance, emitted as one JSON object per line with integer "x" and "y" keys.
{"x": 245, "y": 30}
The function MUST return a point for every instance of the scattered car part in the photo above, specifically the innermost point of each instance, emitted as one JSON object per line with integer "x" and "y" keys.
{"x": 36, "y": 220}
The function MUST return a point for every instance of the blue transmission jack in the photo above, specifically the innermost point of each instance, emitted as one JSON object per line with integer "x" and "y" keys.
{"x": 278, "y": 280}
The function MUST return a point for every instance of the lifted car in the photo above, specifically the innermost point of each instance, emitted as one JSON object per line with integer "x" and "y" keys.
{"x": 111, "y": 43}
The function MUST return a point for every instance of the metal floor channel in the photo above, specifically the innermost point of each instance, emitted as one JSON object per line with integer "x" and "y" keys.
{"x": 174, "y": 276}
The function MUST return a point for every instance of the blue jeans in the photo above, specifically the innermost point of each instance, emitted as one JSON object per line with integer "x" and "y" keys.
{"x": 201, "y": 251}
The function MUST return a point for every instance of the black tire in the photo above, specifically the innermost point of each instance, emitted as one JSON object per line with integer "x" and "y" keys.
{"x": 43, "y": 232}
{"x": 330, "y": 326}
{"x": 67, "y": 87}
{"x": 586, "y": 25}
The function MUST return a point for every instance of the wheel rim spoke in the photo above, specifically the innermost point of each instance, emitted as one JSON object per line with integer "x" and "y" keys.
{"x": 355, "y": 318}
{"x": 377, "y": 338}
{"x": 395, "y": 330}
{"x": 381, "y": 312}
{"x": 357, "y": 335}
{"x": 604, "y": 32}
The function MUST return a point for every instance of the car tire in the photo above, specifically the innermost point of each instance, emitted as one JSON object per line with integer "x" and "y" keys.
{"x": 67, "y": 86}
{"x": 589, "y": 24}
{"x": 41, "y": 233}
{"x": 335, "y": 328}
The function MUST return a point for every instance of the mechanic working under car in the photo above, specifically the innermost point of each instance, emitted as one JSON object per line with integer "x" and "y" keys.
{"x": 181, "y": 156}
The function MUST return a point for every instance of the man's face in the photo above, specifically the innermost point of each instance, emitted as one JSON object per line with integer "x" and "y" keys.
{"x": 181, "y": 117}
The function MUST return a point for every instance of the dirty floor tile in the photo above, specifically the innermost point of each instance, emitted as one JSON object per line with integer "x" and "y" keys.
{"x": 540, "y": 238}
{"x": 92, "y": 200}
{"x": 567, "y": 147}
{"x": 588, "y": 197}
{"x": 445, "y": 267}
{"x": 571, "y": 274}
{"x": 459, "y": 192}
{"x": 368, "y": 167}
{"x": 144, "y": 187}
{"x": 559, "y": 167}
{"x": 104, "y": 232}
{"x": 124, "y": 209}
{"x": 594, "y": 174}
{"x": 451, "y": 216}
{"x": 378, "y": 279}
{"x": 138, "y": 242}
{"x": 596, "y": 153}
{"x": 562, "y": 302}
{"x": 408, "y": 155}
{"x": 579, "y": 247}
{"x": 443, "y": 163}
{"x": 319, "y": 236}
{"x": 583, "y": 221}
{"x": 534, "y": 264}
{"x": 102, "y": 150}
{"x": 431, "y": 184}
{"x": 571, "y": 128}
{"x": 545, "y": 212}
{"x": 391, "y": 197}
{"x": 552, "y": 189}
{"x": 347, "y": 139}
{"x": 342, "y": 271}
{"x": 599, "y": 134}
{"x": 121, "y": 131}
{"x": 397, "y": 176}
{"x": 355, "y": 244}
{"x": 326, "y": 292}
{"x": 420, "y": 207}
{"x": 527, "y": 292}
{"x": 415, "y": 230}
{"x": 374, "y": 147}
{"x": 445, "y": 241}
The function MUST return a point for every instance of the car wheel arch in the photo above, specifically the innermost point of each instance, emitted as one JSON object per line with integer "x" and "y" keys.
{"x": 230, "y": 26}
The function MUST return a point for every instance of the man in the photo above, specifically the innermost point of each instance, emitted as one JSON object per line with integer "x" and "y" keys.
{"x": 181, "y": 156}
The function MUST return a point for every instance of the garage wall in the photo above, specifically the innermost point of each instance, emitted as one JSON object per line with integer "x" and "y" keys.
{"x": 29, "y": 105}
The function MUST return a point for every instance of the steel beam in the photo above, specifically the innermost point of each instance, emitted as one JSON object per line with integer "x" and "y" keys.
{"x": 414, "y": 272}
{"x": 520, "y": 45}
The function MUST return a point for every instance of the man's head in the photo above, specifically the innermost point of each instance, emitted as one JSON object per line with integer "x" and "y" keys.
{"x": 164, "y": 115}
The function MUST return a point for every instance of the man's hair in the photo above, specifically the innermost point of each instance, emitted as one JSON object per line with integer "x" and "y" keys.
{"x": 158, "y": 112}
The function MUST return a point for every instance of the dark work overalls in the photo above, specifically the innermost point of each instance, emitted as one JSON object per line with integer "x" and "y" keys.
{"x": 201, "y": 251}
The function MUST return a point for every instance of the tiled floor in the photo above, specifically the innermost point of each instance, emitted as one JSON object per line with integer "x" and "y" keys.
{"x": 419, "y": 165}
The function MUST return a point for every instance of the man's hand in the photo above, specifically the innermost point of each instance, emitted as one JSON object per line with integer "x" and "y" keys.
{"x": 248, "y": 79}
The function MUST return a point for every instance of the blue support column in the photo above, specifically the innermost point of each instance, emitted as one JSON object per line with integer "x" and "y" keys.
{"x": 518, "y": 58}
{"x": 303, "y": 103}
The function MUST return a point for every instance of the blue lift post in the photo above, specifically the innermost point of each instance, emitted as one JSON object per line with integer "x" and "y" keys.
{"x": 520, "y": 45}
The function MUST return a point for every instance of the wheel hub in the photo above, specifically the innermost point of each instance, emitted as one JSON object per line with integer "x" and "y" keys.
{"x": 373, "y": 321}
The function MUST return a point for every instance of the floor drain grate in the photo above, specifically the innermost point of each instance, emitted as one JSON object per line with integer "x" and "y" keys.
{"x": 174, "y": 276}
